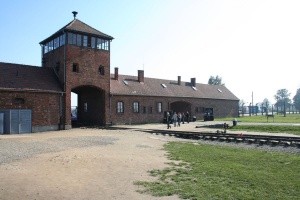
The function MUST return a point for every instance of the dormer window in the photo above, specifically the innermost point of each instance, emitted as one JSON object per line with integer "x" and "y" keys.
{"x": 163, "y": 85}
{"x": 125, "y": 82}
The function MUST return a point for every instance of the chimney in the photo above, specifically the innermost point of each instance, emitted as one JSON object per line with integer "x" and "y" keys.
{"x": 193, "y": 82}
{"x": 116, "y": 73}
{"x": 141, "y": 76}
{"x": 179, "y": 80}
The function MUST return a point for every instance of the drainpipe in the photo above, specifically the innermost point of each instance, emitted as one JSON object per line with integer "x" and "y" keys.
{"x": 65, "y": 60}
{"x": 42, "y": 54}
{"x": 61, "y": 121}
{"x": 110, "y": 97}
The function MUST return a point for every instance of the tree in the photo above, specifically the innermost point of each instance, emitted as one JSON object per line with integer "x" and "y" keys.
{"x": 215, "y": 80}
{"x": 265, "y": 103}
{"x": 282, "y": 99}
{"x": 297, "y": 100}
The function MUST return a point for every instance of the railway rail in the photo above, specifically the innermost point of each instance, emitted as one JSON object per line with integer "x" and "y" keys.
{"x": 232, "y": 137}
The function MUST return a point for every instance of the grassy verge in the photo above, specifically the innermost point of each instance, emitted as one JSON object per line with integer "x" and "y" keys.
{"x": 268, "y": 128}
{"x": 218, "y": 172}
{"x": 290, "y": 118}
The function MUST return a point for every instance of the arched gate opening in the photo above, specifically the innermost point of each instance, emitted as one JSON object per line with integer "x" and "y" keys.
{"x": 90, "y": 109}
{"x": 180, "y": 106}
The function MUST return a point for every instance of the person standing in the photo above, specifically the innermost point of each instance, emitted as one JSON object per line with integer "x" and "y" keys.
{"x": 187, "y": 117}
{"x": 175, "y": 119}
{"x": 179, "y": 118}
{"x": 168, "y": 120}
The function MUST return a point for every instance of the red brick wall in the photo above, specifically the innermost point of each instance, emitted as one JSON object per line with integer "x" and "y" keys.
{"x": 44, "y": 106}
{"x": 88, "y": 60}
{"x": 222, "y": 108}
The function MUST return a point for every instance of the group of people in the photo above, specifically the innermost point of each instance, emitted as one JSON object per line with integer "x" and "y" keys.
{"x": 177, "y": 118}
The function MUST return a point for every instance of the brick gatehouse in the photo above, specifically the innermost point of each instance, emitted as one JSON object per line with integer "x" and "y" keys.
{"x": 76, "y": 59}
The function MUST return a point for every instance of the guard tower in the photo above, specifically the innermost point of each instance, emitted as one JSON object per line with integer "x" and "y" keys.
{"x": 80, "y": 57}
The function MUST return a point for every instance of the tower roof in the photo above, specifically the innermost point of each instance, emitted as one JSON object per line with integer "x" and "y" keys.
{"x": 77, "y": 26}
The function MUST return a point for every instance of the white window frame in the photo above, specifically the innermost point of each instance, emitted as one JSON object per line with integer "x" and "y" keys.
{"x": 120, "y": 107}
{"x": 136, "y": 107}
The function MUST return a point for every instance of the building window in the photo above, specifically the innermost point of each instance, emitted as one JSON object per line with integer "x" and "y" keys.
{"x": 85, "y": 107}
{"x": 136, "y": 107}
{"x": 101, "y": 70}
{"x": 56, "y": 43}
{"x": 61, "y": 40}
{"x": 85, "y": 41}
{"x": 120, "y": 107}
{"x": 102, "y": 44}
{"x": 19, "y": 101}
{"x": 78, "y": 43}
{"x": 144, "y": 109}
{"x": 74, "y": 39}
{"x": 93, "y": 42}
{"x": 75, "y": 67}
{"x": 159, "y": 107}
{"x": 150, "y": 110}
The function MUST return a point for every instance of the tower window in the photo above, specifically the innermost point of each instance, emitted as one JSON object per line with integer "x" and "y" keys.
{"x": 101, "y": 70}
{"x": 75, "y": 67}
{"x": 78, "y": 40}
{"x": 93, "y": 42}
{"x": 85, "y": 40}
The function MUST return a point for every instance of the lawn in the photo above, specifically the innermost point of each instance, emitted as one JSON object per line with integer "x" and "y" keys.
{"x": 290, "y": 118}
{"x": 202, "y": 171}
{"x": 270, "y": 127}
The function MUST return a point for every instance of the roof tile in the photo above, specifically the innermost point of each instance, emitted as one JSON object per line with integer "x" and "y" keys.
{"x": 153, "y": 87}
{"x": 26, "y": 77}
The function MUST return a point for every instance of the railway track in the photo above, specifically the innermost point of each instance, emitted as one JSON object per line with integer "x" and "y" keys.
{"x": 232, "y": 137}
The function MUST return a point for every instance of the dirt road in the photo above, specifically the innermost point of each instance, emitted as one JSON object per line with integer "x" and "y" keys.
{"x": 79, "y": 164}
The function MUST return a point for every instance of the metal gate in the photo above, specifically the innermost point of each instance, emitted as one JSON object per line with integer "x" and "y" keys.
{"x": 1, "y": 123}
{"x": 16, "y": 121}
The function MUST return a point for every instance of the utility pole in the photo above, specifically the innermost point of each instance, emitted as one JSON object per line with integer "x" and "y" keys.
{"x": 252, "y": 101}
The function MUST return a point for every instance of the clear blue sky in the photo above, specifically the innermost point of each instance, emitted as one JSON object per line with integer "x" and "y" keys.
{"x": 254, "y": 45}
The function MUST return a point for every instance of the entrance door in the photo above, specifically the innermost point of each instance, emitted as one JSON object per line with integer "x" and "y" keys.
{"x": 20, "y": 121}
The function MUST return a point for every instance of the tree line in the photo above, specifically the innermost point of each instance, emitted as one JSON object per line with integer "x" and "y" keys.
{"x": 282, "y": 97}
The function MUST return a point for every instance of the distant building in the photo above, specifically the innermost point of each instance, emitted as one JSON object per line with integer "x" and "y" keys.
{"x": 76, "y": 59}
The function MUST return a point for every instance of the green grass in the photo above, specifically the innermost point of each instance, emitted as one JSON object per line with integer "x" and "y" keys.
{"x": 267, "y": 127}
{"x": 290, "y": 118}
{"x": 218, "y": 172}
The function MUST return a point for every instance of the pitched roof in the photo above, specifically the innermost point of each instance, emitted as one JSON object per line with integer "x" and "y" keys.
{"x": 14, "y": 77}
{"x": 153, "y": 87}
{"x": 78, "y": 27}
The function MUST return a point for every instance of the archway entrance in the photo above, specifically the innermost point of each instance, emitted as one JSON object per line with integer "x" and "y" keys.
{"x": 180, "y": 106}
{"x": 90, "y": 108}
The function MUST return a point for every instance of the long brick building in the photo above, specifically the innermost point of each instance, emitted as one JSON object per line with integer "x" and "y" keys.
{"x": 76, "y": 59}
